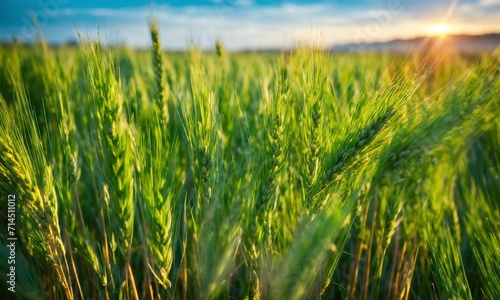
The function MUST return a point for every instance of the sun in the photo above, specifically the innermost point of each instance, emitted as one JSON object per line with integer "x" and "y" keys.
{"x": 441, "y": 30}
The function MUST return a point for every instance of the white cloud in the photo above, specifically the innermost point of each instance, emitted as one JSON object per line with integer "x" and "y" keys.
{"x": 487, "y": 3}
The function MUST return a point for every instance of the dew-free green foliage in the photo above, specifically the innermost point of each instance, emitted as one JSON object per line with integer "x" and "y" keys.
{"x": 219, "y": 175}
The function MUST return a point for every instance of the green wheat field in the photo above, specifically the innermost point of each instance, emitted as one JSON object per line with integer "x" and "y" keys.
{"x": 308, "y": 174}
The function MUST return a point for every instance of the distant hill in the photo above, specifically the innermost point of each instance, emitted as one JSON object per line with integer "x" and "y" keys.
{"x": 486, "y": 43}
{"x": 462, "y": 43}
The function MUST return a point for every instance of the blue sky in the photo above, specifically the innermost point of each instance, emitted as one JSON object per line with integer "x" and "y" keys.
{"x": 244, "y": 24}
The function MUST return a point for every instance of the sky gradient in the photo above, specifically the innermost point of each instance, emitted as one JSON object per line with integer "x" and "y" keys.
{"x": 244, "y": 24}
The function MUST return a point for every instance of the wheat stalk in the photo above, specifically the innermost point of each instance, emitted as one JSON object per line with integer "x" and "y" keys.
{"x": 269, "y": 186}
{"x": 346, "y": 156}
{"x": 115, "y": 147}
{"x": 156, "y": 185}
{"x": 36, "y": 191}
{"x": 159, "y": 70}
